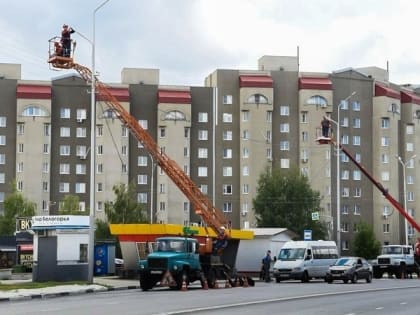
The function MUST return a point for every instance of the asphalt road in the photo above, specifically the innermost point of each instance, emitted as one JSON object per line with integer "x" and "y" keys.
{"x": 382, "y": 296}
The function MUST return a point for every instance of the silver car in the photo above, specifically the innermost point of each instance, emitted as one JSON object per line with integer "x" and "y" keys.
{"x": 350, "y": 269}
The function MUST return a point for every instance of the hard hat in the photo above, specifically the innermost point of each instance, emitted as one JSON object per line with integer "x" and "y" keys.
{"x": 65, "y": 25}
{"x": 222, "y": 228}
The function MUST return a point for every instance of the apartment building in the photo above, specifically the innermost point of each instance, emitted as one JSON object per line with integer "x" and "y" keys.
{"x": 223, "y": 134}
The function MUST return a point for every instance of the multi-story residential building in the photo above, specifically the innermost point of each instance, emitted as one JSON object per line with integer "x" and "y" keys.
{"x": 223, "y": 134}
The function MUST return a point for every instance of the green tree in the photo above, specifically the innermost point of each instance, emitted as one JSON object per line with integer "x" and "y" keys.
{"x": 125, "y": 208}
{"x": 285, "y": 199}
{"x": 365, "y": 243}
{"x": 70, "y": 206}
{"x": 15, "y": 205}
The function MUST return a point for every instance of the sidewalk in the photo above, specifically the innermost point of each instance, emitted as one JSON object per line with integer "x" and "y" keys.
{"x": 109, "y": 283}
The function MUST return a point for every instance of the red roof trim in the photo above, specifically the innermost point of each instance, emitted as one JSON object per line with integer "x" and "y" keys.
{"x": 175, "y": 97}
{"x": 121, "y": 94}
{"x": 408, "y": 97}
{"x": 381, "y": 90}
{"x": 263, "y": 81}
{"x": 39, "y": 92}
{"x": 313, "y": 83}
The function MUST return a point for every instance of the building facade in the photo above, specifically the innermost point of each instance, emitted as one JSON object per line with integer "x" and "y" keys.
{"x": 223, "y": 135}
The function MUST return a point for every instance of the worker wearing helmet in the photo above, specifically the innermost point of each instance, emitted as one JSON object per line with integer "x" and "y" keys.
{"x": 66, "y": 40}
{"x": 221, "y": 241}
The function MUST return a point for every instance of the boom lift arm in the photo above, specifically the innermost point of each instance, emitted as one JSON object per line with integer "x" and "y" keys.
{"x": 378, "y": 185}
{"x": 202, "y": 205}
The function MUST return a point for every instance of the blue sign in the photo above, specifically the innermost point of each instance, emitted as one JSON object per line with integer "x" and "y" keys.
{"x": 307, "y": 235}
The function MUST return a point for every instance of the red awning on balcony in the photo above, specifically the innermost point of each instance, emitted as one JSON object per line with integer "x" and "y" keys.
{"x": 314, "y": 83}
{"x": 381, "y": 90}
{"x": 174, "y": 97}
{"x": 409, "y": 97}
{"x": 39, "y": 92}
{"x": 263, "y": 81}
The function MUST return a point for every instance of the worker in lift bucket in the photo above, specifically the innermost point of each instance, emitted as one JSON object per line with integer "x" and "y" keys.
{"x": 325, "y": 125}
{"x": 66, "y": 40}
{"x": 221, "y": 241}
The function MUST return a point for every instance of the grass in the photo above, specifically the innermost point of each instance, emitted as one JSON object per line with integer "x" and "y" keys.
{"x": 35, "y": 285}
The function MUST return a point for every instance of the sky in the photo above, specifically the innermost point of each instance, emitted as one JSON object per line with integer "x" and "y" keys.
{"x": 189, "y": 39}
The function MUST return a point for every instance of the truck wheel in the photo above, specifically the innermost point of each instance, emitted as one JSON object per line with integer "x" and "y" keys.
{"x": 145, "y": 284}
{"x": 377, "y": 274}
{"x": 183, "y": 276}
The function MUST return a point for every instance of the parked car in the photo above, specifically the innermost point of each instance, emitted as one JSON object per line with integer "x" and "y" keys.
{"x": 350, "y": 269}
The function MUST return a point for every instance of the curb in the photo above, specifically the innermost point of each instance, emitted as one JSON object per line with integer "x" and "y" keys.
{"x": 41, "y": 296}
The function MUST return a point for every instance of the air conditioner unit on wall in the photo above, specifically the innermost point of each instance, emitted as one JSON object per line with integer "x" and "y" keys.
{"x": 80, "y": 120}
{"x": 244, "y": 213}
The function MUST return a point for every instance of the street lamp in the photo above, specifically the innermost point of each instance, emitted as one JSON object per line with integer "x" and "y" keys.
{"x": 337, "y": 123}
{"x": 92, "y": 153}
{"x": 404, "y": 165}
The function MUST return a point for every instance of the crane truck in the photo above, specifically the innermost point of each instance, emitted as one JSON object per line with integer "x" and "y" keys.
{"x": 177, "y": 260}
{"x": 395, "y": 259}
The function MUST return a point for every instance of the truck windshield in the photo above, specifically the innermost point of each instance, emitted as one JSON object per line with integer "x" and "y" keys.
{"x": 392, "y": 250}
{"x": 291, "y": 253}
{"x": 170, "y": 246}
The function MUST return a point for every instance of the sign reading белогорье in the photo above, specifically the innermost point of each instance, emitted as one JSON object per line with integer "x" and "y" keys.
{"x": 60, "y": 222}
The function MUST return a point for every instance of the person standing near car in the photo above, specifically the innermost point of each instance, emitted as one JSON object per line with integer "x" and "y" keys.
{"x": 417, "y": 252}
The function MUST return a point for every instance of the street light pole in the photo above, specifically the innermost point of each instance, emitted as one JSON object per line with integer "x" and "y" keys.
{"x": 404, "y": 165}
{"x": 92, "y": 154}
{"x": 337, "y": 123}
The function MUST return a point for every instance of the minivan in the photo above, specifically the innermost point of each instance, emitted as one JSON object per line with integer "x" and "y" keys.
{"x": 304, "y": 260}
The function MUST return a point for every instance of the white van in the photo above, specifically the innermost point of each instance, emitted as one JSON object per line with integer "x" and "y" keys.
{"x": 303, "y": 260}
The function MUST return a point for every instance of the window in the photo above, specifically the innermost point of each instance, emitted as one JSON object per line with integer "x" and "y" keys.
{"x": 202, "y": 153}
{"x": 269, "y": 116}
{"x": 409, "y": 147}
{"x": 186, "y": 132}
{"x": 162, "y": 206}
{"x": 99, "y": 131}
{"x": 227, "y": 99}
{"x": 45, "y": 187}
{"x": 245, "y": 170}
{"x": 344, "y": 104}
{"x": 143, "y": 124}
{"x": 358, "y": 192}
{"x": 227, "y": 118}
{"x": 64, "y": 113}
{"x": 284, "y": 145}
{"x": 410, "y": 196}
{"x": 304, "y": 117}
{"x": 345, "y": 192}
{"x": 358, "y": 157}
{"x": 20, "y": 167}
{"x": 3, "y": 121}
{"x": 81, "y": 132}
{"x": 284, "y": 128}
{"x": 2, "y": 140}
{"x": 385, "y": 141}
{"x": 202, "y": 171}
{"x": 142, "y": 197}
{"x": 245, "y": 134}
{"x": 284, "y": 163}
{"x": 162, "y": 132}
{"x": 81, "y": 114}
{"x": 345, "y": 174}
{"x": 245, "y": 189}
{"x": 2, "y": 178}
{"x": 99, "y": 150}
{"x": 64, "y": 150}
{"x": 20, "y": 127}
{"x": 124, "y": 131}
{"x": 245, "y": 153}
{"x": 345, "y": 139}
{"x": 99, "y": 168}
{"x": 385, "y": 176}
{"x": 356, "y": 106}
{"x": 257, "y": 99}
{"x": 46, "y": 148}
{"x": 64, "y": 132}
{"x": 357, "y": 210}
{"x": 284, "y": 110}
{"x": 227, "y": 153}
{"x": 202, "y": 135}
{"x": 384, "y": 122}
{"x": 80, "y": 169}
{"x": 47, "y": 130}
{"x": 81, "y": 151}
{"x": 64, "y": 168}
{"x": 345, "y": 122}
{"x": 162, "y": 188}
{"x": 227, "y": 207}
{"x": 175, "y": 115}
{"x": 227, "y": 135}
{"x": 204, "y": 189}
{"x": 202, "y": 117}
{"x": 356, "y": 140}
{"x": 317, "y": 100}
{"x": 80, "y": 188}
{"x": 356, "y": 123}
{"x": 227, "y": 189}
{"x": 20, "y": 148}
{"x": 99, "y": 187}
{"x": 245, "y": 115}
{"x": 305, "y": 136}
{"x": 410, "y": 179}
{"x": 64, "y": 187}
{"x": 409, "y": 129}
{"x": 227, "y": 171}
{"x": 45, "y": 167}
{"x": 385, "y": 158}
{"x": 142, "y": 179}
{"x": 124, "y": 150}
{"x": 142, "y": 160}
{"x": 99, "y": 206}
{"x": 344, "y": 227}
{"x": 345, "y": 209}
{"x": 385, "y": 228}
